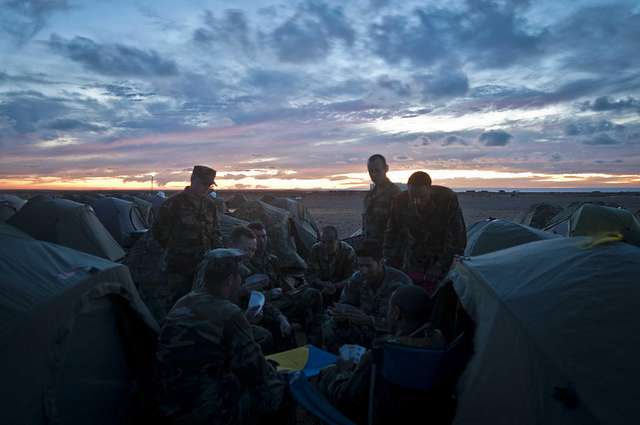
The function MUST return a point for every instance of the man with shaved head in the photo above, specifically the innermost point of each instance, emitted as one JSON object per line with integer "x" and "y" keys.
{"x": 408, "y": 316}
{"x": 377, "y": 202}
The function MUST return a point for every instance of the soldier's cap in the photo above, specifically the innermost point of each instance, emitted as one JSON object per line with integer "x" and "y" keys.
{"x": 204, "y": 174}
{"x": 219, "y": 261}
{"x": 419, "y": 178}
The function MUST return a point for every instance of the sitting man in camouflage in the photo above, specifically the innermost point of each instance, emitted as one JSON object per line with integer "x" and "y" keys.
{"x": 210, "y": 369}
{"x": 301, "y": 304}
{"x": 425, "y": 231}
{"x": 331, "y": 263}
{"x": 187, "y": 228}
{"x": 361, "y": 314}
{"x": 408, "y": 317}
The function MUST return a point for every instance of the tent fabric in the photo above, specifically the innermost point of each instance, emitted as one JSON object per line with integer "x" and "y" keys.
{"x": 307, "y": 232}
{"x": 145, "y": 206}
{"x": 279, "y": 230}
{"x": 9, "y": 205}
{"x": 227, "y": 224}
{"x": 539, "y": 215}
{"x": 492, "y": 235}
{"x": 236, "y": 201}
{"x": 67, "y": 223}
{"x": 308, "y": 359}
{"x": 74, "y": 335}
{"x": 559, "y": 223}
{"x": 123, "y": 219}
{"x": 596, "y": 220}
{"x": 556, "y": 338}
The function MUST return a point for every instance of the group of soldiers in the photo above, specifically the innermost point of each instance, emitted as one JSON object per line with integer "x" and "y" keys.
{"x": 210, "y": 359}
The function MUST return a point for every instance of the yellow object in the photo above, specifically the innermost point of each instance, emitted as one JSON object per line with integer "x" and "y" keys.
{"x": 292, "y": 360}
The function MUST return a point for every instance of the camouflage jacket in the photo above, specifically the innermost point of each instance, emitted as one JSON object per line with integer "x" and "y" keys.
{"x": 265, "y": 263}
{"x": 187, "y": 227}
{"x": 374, "y": 302}
{"x": 427, "y": 240}
{"x": 377, "y": 206}
{"x": 210, "y": 369}
{"x": 333, "y": 268}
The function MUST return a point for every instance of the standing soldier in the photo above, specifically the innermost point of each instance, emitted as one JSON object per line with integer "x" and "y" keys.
{"x": 428, "y": 221}
{"x": 377, "y": 202}
{"x": 187, "y": 228}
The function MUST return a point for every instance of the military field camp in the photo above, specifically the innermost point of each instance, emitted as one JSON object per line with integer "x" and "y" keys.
{"x": 307, "y": 212}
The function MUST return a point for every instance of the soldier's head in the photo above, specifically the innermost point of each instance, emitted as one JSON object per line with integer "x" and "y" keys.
{"x": 219, "y": 271}
{"x": 244, "y": 239}
{"x": 329, "y": 238}
{"x": 419, "y": 188}
{"x": 377, "y": 167}
{"x": 409, "y": 308}
{"x": 202, "y": 178}
{"x": 261, "y": 235}
{"x": 370, "y": 261}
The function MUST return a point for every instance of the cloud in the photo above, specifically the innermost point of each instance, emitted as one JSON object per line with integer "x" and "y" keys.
{"x": 25, "y": 110}
{"x": 443, "y": 84}
{"x": 555, "y": 157}
{"x": 602, "y": 139}
{"x": 231, "y": 30}
{"x": 587, "y": 127}
{"x": 68, "y": 124}
{"x": 23, "y": 19}
{"x": 453, "y": 140}
{"x": 396, "y": 86}
{"x": 495, "y": 138}
{"x": 603, "y": 103}
{"x": 113, "y": 59}
{"x": 309, "y": 34}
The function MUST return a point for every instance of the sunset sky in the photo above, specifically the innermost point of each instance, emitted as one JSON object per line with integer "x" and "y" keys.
{"x": 480, "y": 94}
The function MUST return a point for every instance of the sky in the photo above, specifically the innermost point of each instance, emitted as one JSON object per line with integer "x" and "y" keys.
{"x": 479, "y": 93}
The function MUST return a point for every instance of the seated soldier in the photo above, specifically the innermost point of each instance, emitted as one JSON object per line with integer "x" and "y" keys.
{"x": 271, "y": 329}
{"x": 408, "y": 315}
{"x": 331, "y": 263}
{"x": 210, "y": 369}
{"x": 299, "y": 303}
{"x": 361, "y": 314}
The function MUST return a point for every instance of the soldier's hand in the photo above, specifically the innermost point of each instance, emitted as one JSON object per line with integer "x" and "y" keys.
{"x": 285, "y": 326}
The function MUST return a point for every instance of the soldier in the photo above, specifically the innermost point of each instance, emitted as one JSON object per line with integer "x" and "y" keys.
{"x": 377, "y": 202}
{"x": 331, "y": 263}
{"x": 187, "y": 228}
{"x": 428, "y": 221}
{"x": 210, "y": 369}
{"x": 408, "y": 319}
{"x": 302, "y": 304}
{"x": 361, "y": 314}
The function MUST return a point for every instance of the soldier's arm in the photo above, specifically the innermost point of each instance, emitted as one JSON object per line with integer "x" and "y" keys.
{"x": 216, "y": 237}
{"x": 247, "y": 360}
{"x": 456, "y": 236}
{"x": 162, "y": 226}
{"x": 393, "y": 237}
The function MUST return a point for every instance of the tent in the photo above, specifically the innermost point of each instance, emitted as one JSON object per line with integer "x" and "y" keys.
{"x": 76, "y": 341}
{"x": 560, "y": 222}
{"x": 596, "y": 220}
{"x": 539, "y": 215}
{"x": 227, "y": 224}
{"x": 556, "y": 339}
{"x": 9, "y": 205}
{"x": 306, "y": 230}
{"x": 145, "y": 206}
{"x": 492, "y": 235}
{"x": 123, "y": 219}
{"x": 280, "y": 231}
{"x": 67, "y": 223}
{"x": 236, "y": 201}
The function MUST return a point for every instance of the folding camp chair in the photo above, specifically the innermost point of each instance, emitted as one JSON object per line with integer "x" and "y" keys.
{"x": 409, "y": 383}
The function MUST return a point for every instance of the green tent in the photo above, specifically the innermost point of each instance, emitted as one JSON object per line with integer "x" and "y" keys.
{"x": 76, "y": 341}
{"x": 556, "y": 338}
{"x": 596, "y": 220}
{"x": 67, "y": 223}
{"x": 495, "y": 234}
{"x": 9, "y": 205}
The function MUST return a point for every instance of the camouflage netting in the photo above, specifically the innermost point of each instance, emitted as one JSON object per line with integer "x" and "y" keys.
{"x": 145, "y": 262}
{"x": 227, "y": 224}
{"x": 307, "y": 232}
{"x": 279, "y": 224}
{"x": 539, "y": 215}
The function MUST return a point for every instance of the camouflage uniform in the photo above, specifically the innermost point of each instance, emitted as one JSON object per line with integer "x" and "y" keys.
{"x": 210, "y": 369}
{"x": 373, "y": 303}
{"x": 187, "y": 227}
{"x": 377, "y": 206}
{"x": 425, "y": 241}
{"x": 335, "y": 268}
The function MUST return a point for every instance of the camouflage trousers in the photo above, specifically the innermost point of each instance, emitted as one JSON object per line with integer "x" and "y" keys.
{"x": 304, "y": 307}
{"x": 338, "y": 333}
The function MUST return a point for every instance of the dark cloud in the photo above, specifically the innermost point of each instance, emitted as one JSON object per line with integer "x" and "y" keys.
{"x": 588, "y": 127}
{"x": 398, "y": 87}
{"x": 68, "y": 124}
{"x": 309, "y": 34}
{"x": 232, "y": 30}
{"x": 23, "y": 19}
{"x": 113, "y": 59}
{"x": 495, "y": 138}
{"x": 602, "y": 139}
{"x": 453, "y": 140}
{"x": 555, "y": 157}
{"x": 278, "y": 82}
{"x": 26, "y": 110}
{"x": 443, "y": 84}
{"x": 603, "y": 103}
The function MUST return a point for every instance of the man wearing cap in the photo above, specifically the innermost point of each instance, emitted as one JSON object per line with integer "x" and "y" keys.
{"x": 377, "y": 202}
{"x": 425, "y": 231}
{"x": 187, "y": 227}
{"x": 210, "y": 369}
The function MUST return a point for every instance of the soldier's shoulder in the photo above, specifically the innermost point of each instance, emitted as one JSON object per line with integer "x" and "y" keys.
{"x": 394, "y": 188}
{"x": 401, "y": 198}
{"x": 443, "y": 192}
{"x": 175, "y": 200}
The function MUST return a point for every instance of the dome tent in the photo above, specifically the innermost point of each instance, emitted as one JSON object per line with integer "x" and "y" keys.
{"x": 539, "y": 215}
{"x": 227, "y": 224}
{"x": 9, "y": 205}
{"x": 556, "y": 338}
{"x": 76, "y": 341}
{"x": 560, "y": 223}
{"x": 145, "y": 206}
{"x": 123, "y": 219}
{"x": 596, "y": 220}
{"x": 495, "y": 234}
{"x": 67, "y": 223}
